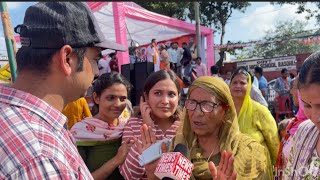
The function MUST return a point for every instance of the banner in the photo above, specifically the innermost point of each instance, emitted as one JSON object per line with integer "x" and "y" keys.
{"x": 272, "y": 64}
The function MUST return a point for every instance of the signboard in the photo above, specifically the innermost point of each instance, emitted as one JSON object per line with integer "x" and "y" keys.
{"x": 272, "y": 64}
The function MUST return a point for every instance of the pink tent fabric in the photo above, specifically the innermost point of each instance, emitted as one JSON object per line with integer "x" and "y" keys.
{"x": 114, "y": 18}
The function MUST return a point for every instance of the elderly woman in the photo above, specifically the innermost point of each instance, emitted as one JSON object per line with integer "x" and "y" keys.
{"x": 210, "y": 128}
{"x": 254, "y": 119}
{"x": 304, "y": 161}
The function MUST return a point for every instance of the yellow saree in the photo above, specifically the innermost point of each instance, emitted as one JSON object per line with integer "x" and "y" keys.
{"x": 256, "y": 121}
{"x": 249, "y": 159}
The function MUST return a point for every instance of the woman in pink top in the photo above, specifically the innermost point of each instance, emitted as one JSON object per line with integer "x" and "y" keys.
{"x": 286, "y": 142}
{"x": 159, "y": 110}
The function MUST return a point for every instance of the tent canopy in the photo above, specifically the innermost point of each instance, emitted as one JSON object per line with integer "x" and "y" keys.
{"x": 126, "y": 21}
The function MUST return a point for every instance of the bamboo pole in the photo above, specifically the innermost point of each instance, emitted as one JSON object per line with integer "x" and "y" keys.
{"x": 9, "y": 38}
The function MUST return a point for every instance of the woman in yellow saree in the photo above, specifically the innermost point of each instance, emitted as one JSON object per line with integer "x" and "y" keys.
{"x": 254, "y": 119}
{"x": 210, "y": 126}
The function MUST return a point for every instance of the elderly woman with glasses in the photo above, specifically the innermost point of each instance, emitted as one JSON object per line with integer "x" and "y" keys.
{"x": 254, "y": 119}
{"x": 210, "y": 132}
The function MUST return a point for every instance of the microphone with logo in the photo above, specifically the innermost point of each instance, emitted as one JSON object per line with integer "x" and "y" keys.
{"x": 174, "y": 165}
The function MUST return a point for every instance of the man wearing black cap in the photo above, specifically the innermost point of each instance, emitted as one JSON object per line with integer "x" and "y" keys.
{"x": 61, "y": 44}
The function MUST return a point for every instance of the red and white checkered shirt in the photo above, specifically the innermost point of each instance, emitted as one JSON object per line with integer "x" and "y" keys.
{"x": 33, "y": 141}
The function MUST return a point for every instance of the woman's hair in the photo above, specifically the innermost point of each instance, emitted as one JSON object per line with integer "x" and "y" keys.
{"x": 310, "y": 71}
{"x": 105, "y": 81}
{"x": 244, "y": 71}
{"x": 155, "y": 77}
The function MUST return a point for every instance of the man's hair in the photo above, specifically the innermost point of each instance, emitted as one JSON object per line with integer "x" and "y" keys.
{"x": 39, "y": 60}
{"x": 258, "y": 70}
{"x": 284, "y": 70}
{"x": 184, "y": 43}
{"x": 153, "y": 40}
{"x": 214, "y": 69}
{"x": 198, "y": 58}
{"x": 112, "y": 54}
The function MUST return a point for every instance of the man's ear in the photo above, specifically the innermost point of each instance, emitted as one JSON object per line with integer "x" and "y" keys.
{"x": 66, "y": 60}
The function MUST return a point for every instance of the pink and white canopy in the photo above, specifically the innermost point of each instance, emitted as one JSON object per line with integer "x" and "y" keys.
{"x": 126, "y": 21}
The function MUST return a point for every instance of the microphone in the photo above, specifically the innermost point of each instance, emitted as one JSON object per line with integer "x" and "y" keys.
{"x": 174, "y": 165}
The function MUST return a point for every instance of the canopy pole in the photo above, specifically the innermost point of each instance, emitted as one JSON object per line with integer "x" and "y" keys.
{"x": 120, "y": 31}
{"x": 9, "y": 38}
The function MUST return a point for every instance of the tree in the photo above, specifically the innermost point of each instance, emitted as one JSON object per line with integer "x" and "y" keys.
{"x": 217, "y": 14}
{"x": 302, "y": 7}
{"x": 281, "y": 41}
{"x": 171, "y": 9}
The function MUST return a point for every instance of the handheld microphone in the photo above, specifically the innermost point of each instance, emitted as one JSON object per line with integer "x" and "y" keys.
{"x": 174, "y": 165}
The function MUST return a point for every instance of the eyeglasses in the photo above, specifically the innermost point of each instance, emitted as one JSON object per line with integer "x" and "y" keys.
{"x": 205, "y": 106}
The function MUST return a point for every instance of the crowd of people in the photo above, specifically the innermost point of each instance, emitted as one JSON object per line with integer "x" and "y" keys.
{"x": 228, "y": 130}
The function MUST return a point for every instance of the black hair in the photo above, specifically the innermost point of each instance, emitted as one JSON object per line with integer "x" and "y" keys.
{"x": 152, "y": 40}
{"x": 310, "y": 71}
{"x": 198, "y": 58}
{"x": 214, "y": 69}
{"x": 39, "y": 60}
{"x": 105, "y": 81}
{"x": 259, "y": 70}
{"x": 284, "y": 70}
{"x": 244, "y": 71}
{"x": 157, "y": 76}
{"x": 112, "y": 54}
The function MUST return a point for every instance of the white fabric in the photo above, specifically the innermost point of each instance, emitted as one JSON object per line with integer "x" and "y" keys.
{"x": 103, "y": 66}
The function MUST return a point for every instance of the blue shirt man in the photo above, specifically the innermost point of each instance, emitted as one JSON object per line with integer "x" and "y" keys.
{"x": 263, "y": 83}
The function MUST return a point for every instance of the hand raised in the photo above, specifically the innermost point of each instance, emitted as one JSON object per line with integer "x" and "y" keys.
{"x": 123, "y": 150}
{"x": 225, "y": 170}
{"x": 145, "y": 110}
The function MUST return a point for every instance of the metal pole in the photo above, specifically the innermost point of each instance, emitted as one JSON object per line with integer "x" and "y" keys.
{"x": 9, "y": 38}
{"x": 198, "y": 34}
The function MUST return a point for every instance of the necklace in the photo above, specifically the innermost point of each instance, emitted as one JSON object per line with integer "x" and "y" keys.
{"x": 214, "y": 148}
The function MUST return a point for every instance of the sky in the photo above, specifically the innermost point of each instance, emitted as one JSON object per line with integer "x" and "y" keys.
{"x": 245, "y": 27}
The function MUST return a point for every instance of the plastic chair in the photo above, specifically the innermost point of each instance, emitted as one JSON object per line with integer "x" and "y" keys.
{"x": 282, "y": 105}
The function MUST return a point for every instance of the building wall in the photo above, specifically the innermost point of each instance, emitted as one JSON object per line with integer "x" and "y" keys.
{"x": 269, "y": 75}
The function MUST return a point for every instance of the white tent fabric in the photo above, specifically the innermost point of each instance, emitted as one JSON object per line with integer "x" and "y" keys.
{"x": 140, "y": 31}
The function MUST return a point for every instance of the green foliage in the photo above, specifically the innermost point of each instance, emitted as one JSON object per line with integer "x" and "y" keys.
{"x": 171, "y": 9}
{"x": 279, "y": 43}
{"x": 302, "y": 7}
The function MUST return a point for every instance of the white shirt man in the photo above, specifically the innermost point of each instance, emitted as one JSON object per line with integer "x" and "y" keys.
{"x": 153, "y": 55}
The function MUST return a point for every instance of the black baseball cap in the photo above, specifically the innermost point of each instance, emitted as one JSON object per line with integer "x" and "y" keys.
{"x": 49, "y": 25}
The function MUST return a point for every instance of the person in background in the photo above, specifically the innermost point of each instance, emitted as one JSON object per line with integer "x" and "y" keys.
{"x": 186, "y": 56}
{"x": 256, "y": 94}
{"x": 215, "y": 72}
{"x": 291, "y": 128}
{"x": 254, "y": 119}
{"x": 262, "y": 81}
{"x": 61, "y": 44}
{"x": 293, "y": 95}
{"x": 201, "y": 68}
{"x": 114, "y": 67}
{"x": 164, "y": 58}
{"x": 174, "y": 55}
{"x": 159, "y": 111}
{"x": 99, "y": 138}
{"x": 76, "y": 111}
{"x": 227, "y": 81}
{"x": 153, "y": 55}
{"x": 282, "y": 84}
{"x": 103, "y": 66}
{"x": 304, "y": 154}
